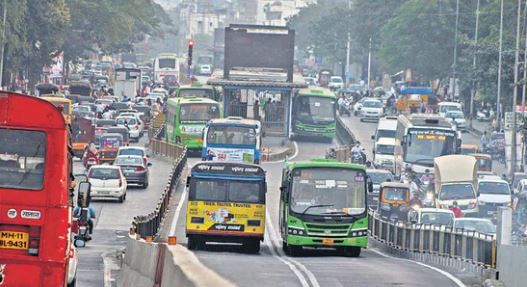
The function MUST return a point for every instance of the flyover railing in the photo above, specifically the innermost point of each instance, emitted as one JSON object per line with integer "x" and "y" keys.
{"x": 469, "y": 246}
{"x": 148, "y": 226}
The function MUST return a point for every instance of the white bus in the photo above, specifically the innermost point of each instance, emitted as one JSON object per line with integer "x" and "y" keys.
{"x": 420, "y": 139}
{"x": 166, "y": 64}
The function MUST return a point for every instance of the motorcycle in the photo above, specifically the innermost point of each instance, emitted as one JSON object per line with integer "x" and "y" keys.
{"x": 358, "y": 158}
{"x": 82, "y": 231}
{"x": 331, "y": 154}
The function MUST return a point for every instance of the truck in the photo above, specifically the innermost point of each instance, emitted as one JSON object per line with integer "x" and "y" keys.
{"x": 456, "y": 180}
{"x": 127, "y": 82}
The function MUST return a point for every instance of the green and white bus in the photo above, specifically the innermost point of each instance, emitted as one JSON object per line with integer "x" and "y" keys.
{"x": 186, "y": 119}
{"x": 323, "y": 205}
{"x": 314, "y": 113}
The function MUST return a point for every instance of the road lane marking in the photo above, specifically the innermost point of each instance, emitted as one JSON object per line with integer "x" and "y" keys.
{"x": 177, "y": 212}
{"x": 291, "y": 266}
{"x": 295, "y": 154}
{"x": 274, "y": 240}
{"x": 444, "y": 273}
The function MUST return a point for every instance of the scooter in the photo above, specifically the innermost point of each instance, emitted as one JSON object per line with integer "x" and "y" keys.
{"x": 82, "y": 235}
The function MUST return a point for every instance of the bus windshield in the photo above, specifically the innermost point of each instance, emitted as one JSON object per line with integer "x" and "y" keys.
{"x": 202, "y": 93}
{"x": 167, "y": 63}
{"x": 198, "y": 112}
{"x": 328, "y": 191}
{"x": 231, "y": 135}
{"x": 422, "y": 146}
{"x": 223, "y": 190}
{"x": 316, "y": 110}
{"x": 22, "y": 158}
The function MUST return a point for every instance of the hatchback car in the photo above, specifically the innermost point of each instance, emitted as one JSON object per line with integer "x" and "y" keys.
{"x": 372, "y": 109}
{"x": 107, "y": 182}
{"x": 134, "y": 125}
{"x": 135, "y": 151}
{"x": 134, "y": 169}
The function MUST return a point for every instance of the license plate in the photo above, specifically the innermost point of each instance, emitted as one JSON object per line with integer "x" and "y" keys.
{"x": 376, "y": 198}
{"x": 491, "y": 212}
{"x": 14, "y": 240}
{"x": 327, "y": 241}
{"x": 103, "y": 192}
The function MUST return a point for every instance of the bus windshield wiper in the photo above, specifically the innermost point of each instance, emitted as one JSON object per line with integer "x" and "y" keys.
{"x": 314, "y": 206}
{"x": 336, "y": 212}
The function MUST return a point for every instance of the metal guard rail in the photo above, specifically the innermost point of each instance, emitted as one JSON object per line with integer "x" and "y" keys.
{"x": 148, "y": 226}
{"x": 469, "y": 246}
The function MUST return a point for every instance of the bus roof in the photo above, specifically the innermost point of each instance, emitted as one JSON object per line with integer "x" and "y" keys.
{"x": 41, "y": 114}
{"x": 190, "y": 100}
{"x": 235, "y": 121}
{"x": 227, "y": 169}
{"x": 316, "y": 92}
{"x": 325, "y": 163}
{"x": 424, "y": 120}
{"x": 167, "y": 55}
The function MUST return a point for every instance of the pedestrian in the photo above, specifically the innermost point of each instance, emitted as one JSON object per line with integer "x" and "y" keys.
{"x": 483, "y": 141}
{"x": 422, "y": 106}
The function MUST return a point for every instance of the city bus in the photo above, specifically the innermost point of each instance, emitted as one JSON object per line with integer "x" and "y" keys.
{"x": 36, "y": 245}
{"x": 226, "y": 203}
{"x": 314, "y": 113}
{"x": 166, "y": 64}
{"x": 65, "y": 104}
{"x": 198, "y": 90}
{"x": 323, "y": 205}
{"x": 421, "y": 138}
{"x": 232, "y": 139}
{"x": 186, "y": 119}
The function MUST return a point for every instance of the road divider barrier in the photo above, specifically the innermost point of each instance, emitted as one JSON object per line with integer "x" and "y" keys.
{"x": 471, "y": 247}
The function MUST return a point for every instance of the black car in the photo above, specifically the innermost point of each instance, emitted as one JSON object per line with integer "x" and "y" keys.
{"x": 134, "y": 169}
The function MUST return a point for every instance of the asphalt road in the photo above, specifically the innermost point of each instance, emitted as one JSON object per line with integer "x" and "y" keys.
{"x": 321, "y": 268}
{"x": 113, "y": 223}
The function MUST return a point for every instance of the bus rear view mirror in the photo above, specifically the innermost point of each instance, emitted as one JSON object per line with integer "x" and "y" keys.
{"x": 83, "y": 197}
{"x": 370, "y": 186}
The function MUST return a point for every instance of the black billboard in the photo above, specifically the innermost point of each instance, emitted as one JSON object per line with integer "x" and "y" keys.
{"x": 256, "y": 46}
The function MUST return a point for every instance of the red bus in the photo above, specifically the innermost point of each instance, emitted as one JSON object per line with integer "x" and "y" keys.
{"x": 35, "y": 206}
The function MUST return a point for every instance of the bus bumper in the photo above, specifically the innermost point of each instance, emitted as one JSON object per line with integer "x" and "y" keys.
{"x": 315, "y": 242}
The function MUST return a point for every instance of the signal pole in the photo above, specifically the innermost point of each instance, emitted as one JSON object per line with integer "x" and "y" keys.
{"x": 189, "y": 59}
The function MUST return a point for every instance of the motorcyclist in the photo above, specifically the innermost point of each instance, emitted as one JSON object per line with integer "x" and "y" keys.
{"x": 90, "y": 151}
{"x": 427, "y": 176}
{"x": 358, "y": 151}
{"x": 91, "y": 215}
{"x": 415, "y": 201}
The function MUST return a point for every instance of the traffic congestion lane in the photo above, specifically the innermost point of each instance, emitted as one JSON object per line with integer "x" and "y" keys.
{"x": 114, "y": 220}
{"x": 272, "y": 268}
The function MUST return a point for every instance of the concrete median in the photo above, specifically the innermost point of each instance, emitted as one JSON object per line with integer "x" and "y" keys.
{"x": 139, "y": 264}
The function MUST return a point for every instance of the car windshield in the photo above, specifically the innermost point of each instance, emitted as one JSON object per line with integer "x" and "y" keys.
{"x": 124, "y": 121}
{"x": 481, "y": 226}
{"x": 423, "y": 145}
{"x": 22, "y": 159}
{"x": 395, "y": 193}
{"x": 455, "y": 114}
{"x": 384, "y": 149}
{"x": 201, "y": 93}
{"x": 316, "y": 109}
{"x": 372, "y": 104}
{"x": 199, "y": 112}
{"x": 437, "y": 218}
{"x": 131, "y": 151}
{"x": 457, "y": 191}
{"x": 65, "y": 107}
{"x": 489, "y": 187}
{"x": 231, "y": 135}
{"x": 446, "y": 108}
{"x": 125, "y": 160}
{"x": 104, "y": 173}
{"x": 320, "y": 191}
{"x": 336, "y": 80}
{"x": 380, "y": 177}
{"x": 202, "y": 189}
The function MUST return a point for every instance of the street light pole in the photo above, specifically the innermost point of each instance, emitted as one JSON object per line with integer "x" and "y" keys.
{"x": 498, "y": 107}
{"x": 472, "y": 94}
{"x": 348, "y": 52}
{"x": 3, "y": 46}
{"x": 369, "y": 64}
{"x": 454, "y": 88}
{"x": 515, "y": 92}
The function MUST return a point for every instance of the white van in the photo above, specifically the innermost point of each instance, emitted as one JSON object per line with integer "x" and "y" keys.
{"x": 493, "y": 193}
{"x": 449, "y": 106}
{"x": 383, "y": 153}
{"x": 386, "y": 128}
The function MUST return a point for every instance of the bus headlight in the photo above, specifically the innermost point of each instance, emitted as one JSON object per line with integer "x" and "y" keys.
{"x": 296, "y": 231}
{"x": 358, "y": 233}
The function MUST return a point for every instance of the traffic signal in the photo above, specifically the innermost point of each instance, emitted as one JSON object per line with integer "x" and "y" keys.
{"x": 190, "y": 48}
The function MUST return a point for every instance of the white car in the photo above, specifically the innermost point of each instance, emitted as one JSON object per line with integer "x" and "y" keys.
{"x": 480, "y": 225}
{"x": 134, "y": 124}
{"x": 107, "y": 181}
{"x": 449, "y": 106}
{"x": 162, "y": 91}
{"x": 383, "y": 153}
{"x": 134, "y": 150}
{"x": 311, "y": 81}
{"x": 492, "y": 193}
{"x": 335, "y": 83}
{"x": 358, "y": 106}
{"x": 457, "y": 118}
{"x": 372, "y": 109}
{"x": 205, "y": 70}
{"x": 432, "y": 216}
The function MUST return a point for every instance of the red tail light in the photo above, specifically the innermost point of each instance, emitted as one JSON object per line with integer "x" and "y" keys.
{"x": 139, "y": 168}
{"x": 34, "y": 240}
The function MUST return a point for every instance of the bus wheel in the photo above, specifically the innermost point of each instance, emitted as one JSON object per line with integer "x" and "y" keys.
{"x": 351, "y": 251}
{"x": 73, "y": 283}
{"x": 192, "y": 243}
{"x": 252, "y": 246}
{"x": 294, "y": 250}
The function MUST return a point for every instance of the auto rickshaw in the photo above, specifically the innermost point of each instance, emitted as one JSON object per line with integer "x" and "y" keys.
{"x": 122, "y": 131}
{"x": 410, "y": 99}
{"x": 83, "y": 131}
{"x": 484, "y": 161}
{"x": 109, "y": 144}
{"x": 393, "y": 200}
{"x": 469, "y": 149}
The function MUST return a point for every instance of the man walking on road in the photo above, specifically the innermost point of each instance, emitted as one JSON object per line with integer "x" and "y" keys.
{"x": 483, "y": 141}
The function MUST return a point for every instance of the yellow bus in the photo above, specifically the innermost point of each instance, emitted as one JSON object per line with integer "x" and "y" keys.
{"x": 226, "y": 203}
{"x": 66, "y": 104}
